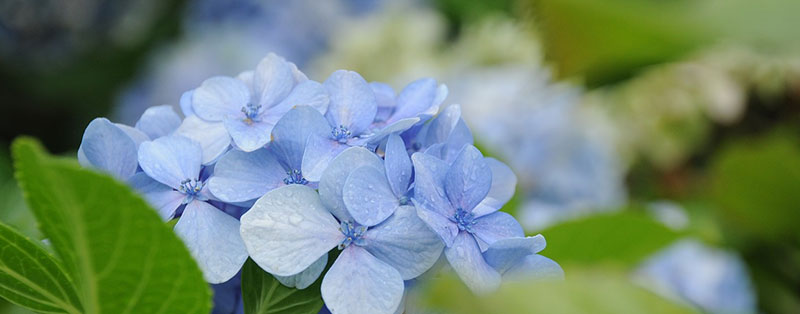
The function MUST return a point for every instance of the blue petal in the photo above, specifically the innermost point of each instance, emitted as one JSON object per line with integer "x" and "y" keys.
{"x": 459, "y": 137}
{"x": 248, "y": 136}
{"x": 290, "y": 134}
{"x": 398, "y": 165}
{"x": 496, "y": 226}
{"x": 416, "y": 99}
{"x": 213, "y": 239}
{"x": 466, "y": 259}
{"x": 353, "y": 103}
{"x": 469, "y": 179}
{"x": 359, "y": 283}
{"x": 158, "y": 121}
{"x": 534, "y": 267}
{"x": 161, "y": 197}
{"x": 429, "y": 192}
{"x": 108, "y": 148}
{"x": 385, "y": 97}
{"x": 220, "y": 97}
{"x": 368, "y": 197}
{"x": 186, "y": 103}
{"x": 308, "y": 93}
{"x": 272, "y": 80}
{"x": 137, "y": 136}
{"x": 331, "y": 186}
{"x": 319, "y": 153}
{"x": 288, "y": 229}
{"x": 440, "y": 127}
{"x": 504, "y": 182}
{"x": 396, "y": 127}
{"x": 240, "y": 176}
{"x": 212, "y": 137}
{"x": 171, "y": 159}
{"x": 404, "y": 242}
{"x": 305, "y": 278}
{"x": 505, "y": 254}
{"x": 443, "y": 226}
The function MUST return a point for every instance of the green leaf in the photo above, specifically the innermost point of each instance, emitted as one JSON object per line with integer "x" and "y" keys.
{"x": 263, "y": 294}
{"x": 583, "y": 291}
{"x": 624, "y": 237}
{"x": 755, "y": 186}
{"x": 608, "y": 40}
{"x": 31, "y": 277}
{"x": 121, "y": 256}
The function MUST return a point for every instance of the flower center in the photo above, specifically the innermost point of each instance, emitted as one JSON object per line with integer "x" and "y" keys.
{"x": 352, "y": 234}
{"x": 404, "y": 200}
{"x": 191, "y": 188}
{"x": 341, "y": 134}
{"x": 250, "y": 112}
{"x": 464, "y": 219}
{"x": 295, "y": 177}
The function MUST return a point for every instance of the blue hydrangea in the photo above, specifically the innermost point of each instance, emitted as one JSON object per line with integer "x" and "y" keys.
{"x": 282, "y": 169}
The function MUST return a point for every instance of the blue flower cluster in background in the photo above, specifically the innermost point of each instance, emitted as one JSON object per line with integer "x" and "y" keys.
{"x": 283, "y": 169}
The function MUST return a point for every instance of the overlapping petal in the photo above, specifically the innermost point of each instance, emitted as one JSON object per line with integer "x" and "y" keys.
{"x": 288, "y": 229}
{"x": 171, "y": 160}
{"x": 404, "y": 242}
{"x": 359, "y": 283}
{"x": 213, "y": 241}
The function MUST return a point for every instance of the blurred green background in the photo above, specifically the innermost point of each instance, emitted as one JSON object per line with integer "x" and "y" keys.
{"x": 690, "y": 108}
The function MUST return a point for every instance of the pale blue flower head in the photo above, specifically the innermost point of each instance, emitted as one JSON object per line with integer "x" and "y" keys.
{"x": 173, "y": 179}
{"x": 292, "y": 228}
{"x": 460, "y": 202}
{"x": 249, "y": 106}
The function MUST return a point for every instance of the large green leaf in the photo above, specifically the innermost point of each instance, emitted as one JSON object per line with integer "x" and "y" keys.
{"x": 624, "y": 237}
{"x": 31, "y": 277}
{"x": 608, "y": 40}
{"x": 121, "y": 256}
{"x": 756, "y": 187}
{"x": 582, "y": 292}
{"x": 263, "y": 294}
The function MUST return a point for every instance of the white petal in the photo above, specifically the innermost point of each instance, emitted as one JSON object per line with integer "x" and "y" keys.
{"x": 305, "y": 278}
{"x": 288, "y": 229}
{"x": 212, "y": 136}
{"x": 272, "y": 80}
{"x": 220, "y": 97}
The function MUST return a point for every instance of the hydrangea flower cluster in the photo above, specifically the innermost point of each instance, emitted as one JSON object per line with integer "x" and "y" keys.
{"x": 283, "y": 169}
